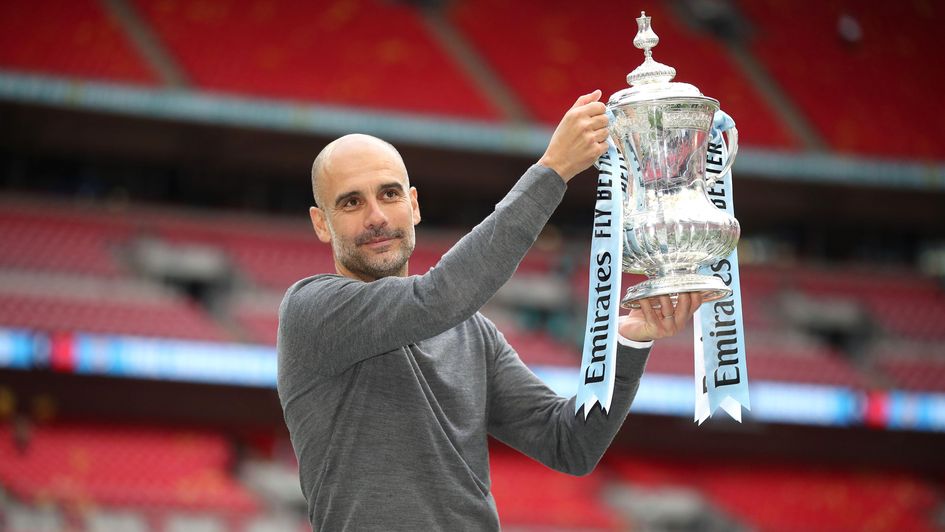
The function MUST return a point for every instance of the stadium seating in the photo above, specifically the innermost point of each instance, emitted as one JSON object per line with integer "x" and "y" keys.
{"x": 539, "y": 348}
{"x": 271, "y": 254}
{"x": 775, "y": 358}
{"x": 833, "y": 61}
{"x": 925, "y": 374}
{"x": 568, "y": 49}
{"x": 144, "y": 468}
{"x": 903, "y": 303}
{"x": 44, "y": 240}
{"x": 261, "y": 326}
{"x": 51, "y": 313}
{"x": 530, "y": 495}
{"x": 68, "y": 37}
{"x": 784, "y": 497}
{"x": 361, "y": 53}
{"x": 858, "y": 93}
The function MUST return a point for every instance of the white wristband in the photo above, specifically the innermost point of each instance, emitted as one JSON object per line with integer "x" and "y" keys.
{"x": 633, "y": 343}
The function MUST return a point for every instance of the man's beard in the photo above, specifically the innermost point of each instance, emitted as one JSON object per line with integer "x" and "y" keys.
{"x": 363, "y": 263}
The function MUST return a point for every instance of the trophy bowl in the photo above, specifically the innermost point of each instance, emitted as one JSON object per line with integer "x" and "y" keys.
{"x": 671, "y": 227}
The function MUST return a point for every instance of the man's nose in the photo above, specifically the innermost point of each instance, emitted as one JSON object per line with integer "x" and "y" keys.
{"x": 375, "y": 216}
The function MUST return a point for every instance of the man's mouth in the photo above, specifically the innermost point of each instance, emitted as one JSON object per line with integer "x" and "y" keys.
{"x": 378, "y": 242}
{"x": 375, "y": 241}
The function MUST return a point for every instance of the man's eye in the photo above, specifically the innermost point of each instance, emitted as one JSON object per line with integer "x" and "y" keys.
{"x": 351, "y": 202}
{"x": 391, "y": 194}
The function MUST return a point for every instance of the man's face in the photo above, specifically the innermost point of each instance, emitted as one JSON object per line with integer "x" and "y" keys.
{"x": 367, "y": 211}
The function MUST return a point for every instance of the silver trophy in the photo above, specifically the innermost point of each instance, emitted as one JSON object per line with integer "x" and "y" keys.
{"x": 671, "y": 228}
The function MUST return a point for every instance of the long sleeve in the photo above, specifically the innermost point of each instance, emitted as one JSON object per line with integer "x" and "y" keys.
{"x": 335, "y": 318}
{"x": 525, "y": 414}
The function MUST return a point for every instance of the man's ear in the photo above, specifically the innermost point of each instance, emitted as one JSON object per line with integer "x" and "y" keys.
{"x": 320, "y": 224}
{"x": 415, "y": 205}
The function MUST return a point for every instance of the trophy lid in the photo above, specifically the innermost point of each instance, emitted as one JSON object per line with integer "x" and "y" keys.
{"x": 652, "y": 79}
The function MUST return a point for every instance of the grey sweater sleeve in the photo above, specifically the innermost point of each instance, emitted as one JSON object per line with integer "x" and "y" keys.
{"x": 352, "y": 320}
{"x": 527, "y": 415}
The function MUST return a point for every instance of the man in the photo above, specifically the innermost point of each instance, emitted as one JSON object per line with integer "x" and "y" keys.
{"x": 390, "y": 383}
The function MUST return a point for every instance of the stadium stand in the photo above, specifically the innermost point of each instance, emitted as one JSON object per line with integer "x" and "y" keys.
{"x": 169, "y": 319}
{"x": 791, "y": 497}
{"x": 917, "y": 374}
{"x": 530, "y": 494}
{"x": 911, "y": 365}
{"x": 43, "y": 240}
{"x": 379, "y": 54}
{"x": 776, "y": 358}
{"x": 261, "y": 326}
{"x": 71, "y": 38}
{"x": 268, "y": 255}
{"x": 569, "y": 49}
{"x": 122, "y": 467}
{"x": 856, "y": 71}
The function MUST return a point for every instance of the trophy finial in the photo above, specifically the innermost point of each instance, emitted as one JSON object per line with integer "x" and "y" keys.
{"x": 650, "y": 71}
{"x": 646, "y": 38}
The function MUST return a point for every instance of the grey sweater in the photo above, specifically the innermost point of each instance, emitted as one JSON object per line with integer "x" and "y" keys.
{"x": 390, "y": 388}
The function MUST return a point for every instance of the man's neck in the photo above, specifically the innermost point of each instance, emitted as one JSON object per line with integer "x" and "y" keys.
{"x": 341, "y": 270}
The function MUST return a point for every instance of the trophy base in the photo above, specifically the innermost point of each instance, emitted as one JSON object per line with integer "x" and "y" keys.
{"x": 712, "y": 288}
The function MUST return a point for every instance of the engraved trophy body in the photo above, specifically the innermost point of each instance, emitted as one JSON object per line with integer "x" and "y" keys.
{"x": 671, "y": 228}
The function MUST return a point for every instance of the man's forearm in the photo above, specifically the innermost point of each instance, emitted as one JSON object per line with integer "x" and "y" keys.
{"x": 530, "y": 417}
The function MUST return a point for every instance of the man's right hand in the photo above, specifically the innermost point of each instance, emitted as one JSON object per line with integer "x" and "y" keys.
{"x": 579, "y": 139}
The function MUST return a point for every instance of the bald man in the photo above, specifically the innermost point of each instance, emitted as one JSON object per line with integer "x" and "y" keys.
{"x": 390, "y": 383}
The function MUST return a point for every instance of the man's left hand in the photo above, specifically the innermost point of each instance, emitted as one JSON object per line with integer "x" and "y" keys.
{"x": 649, "y": 323}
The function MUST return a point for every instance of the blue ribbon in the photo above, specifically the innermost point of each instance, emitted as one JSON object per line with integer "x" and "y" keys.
{"x": 722, "y": 332}
{"x": 596, "y": 384}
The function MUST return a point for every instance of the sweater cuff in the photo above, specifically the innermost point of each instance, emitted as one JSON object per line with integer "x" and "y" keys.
{"x": 633, "y": 343}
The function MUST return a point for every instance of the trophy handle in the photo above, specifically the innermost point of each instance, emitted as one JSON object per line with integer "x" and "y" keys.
{"x": 732, "y": 152}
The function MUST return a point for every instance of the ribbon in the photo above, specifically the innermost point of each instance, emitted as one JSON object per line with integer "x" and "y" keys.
{"x": 598, "y": 363}
{"x": 719, "y": 334}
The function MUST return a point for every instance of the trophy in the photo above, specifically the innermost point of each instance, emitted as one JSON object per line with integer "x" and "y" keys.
{"x": 671, "y": 227}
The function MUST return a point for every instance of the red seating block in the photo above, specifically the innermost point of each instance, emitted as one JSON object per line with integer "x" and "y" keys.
{"x": 917, "y": 374}
{"x": 766, "y": 361}
{"x": 550, "y": 52}
{"x": 68, "y": 37}
{"x": 58, "y": 242}
{"x": 170, "y": 318}
{"x": 123, "y": 467}
{"x": 529, "y": 494}
{"x": 537, "y": 348}
{"x": 260, "y": 327}
{"x": 360, "y": 53}
{"x": 860, "y": 96}
{"x": 778, "y": 497}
